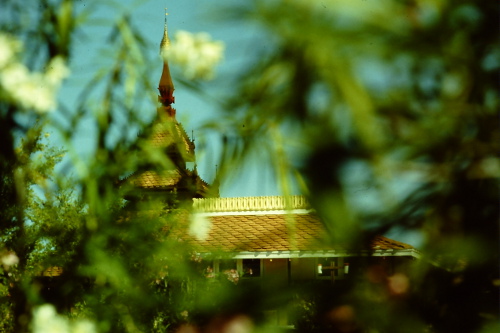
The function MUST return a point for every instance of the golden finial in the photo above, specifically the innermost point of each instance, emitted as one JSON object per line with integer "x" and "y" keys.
{"x": 166, "y": 14}
{"x": 165, "y": 42}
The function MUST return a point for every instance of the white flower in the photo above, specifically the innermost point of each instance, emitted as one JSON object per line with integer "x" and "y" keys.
{"x": 46, "y": 320}
{"x": 199, "y": 227}
{"x": 9, "y": 47}
{"x": 197, "y": 54}
{"x": 10, "y": 260}
{"x": 29, "y": 90}
{"x": 84, "y": 326}
{"x": 14, "y": 75}
{"x": 57, "y": 71}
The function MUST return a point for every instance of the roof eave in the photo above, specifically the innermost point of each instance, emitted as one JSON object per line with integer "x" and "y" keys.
{"x": 318, "y": 254}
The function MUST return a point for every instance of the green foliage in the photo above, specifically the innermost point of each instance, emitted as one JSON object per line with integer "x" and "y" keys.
{"x": 399, "y": 99}
{"x": 394, "y": 112}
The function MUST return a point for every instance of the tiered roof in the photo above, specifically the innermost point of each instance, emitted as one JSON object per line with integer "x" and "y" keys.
{"x": 157, "y": 180}
{"x": 168, "y": 134}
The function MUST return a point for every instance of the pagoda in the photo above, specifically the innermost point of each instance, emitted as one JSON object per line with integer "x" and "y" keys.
{"x": 168, "y": 135}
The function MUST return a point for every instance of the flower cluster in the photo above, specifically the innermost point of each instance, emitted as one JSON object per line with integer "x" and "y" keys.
{"x": 26, "y": 89}
{"x": 232, "y": 275}
{"x": 199, "y": 226}
{"x": 9, "y": 259}
{"x": 46, "y": 319}
{"x": 196, "y": 54}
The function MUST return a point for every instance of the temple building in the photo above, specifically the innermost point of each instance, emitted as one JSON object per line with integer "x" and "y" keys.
{"x": 259, "y": 236}
{"x": 268, "y": 240}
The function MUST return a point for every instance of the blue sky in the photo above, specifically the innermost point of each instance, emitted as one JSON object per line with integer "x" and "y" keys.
{"x": 193, "y": 111}
{"x": 242, "y": 42}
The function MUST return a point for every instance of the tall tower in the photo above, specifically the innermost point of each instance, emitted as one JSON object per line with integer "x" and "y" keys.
{"x": 167, "y": 134}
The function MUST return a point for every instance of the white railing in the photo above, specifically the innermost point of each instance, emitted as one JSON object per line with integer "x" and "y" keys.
{"x": 246, "y": 204}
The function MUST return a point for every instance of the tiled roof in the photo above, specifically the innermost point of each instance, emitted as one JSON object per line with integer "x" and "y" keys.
{"x": 169, "y": 179}
{"x": 202, "y": 187}
{"x": 166, "y": 133}
{"x": 153, "y": 179}
{"x": 274, "y": 232}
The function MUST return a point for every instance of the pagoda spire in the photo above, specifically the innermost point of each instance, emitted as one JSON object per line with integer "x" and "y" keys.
{"x": 166, "y": 85}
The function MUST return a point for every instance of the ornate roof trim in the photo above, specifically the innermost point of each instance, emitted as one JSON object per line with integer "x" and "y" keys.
{"x": 278, "y": 204}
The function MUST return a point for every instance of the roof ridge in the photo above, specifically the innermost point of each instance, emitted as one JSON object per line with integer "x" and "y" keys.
{"x": 184, "y": 134}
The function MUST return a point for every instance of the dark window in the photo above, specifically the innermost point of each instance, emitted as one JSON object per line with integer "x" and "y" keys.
{"x": 327, "y": 266}
{"x": 251, "y": 267}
